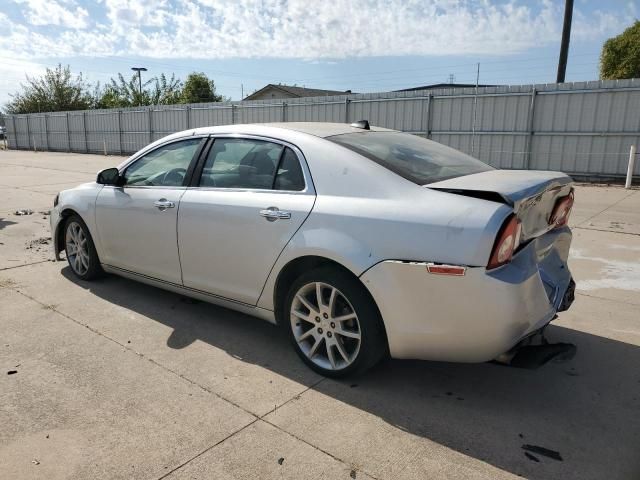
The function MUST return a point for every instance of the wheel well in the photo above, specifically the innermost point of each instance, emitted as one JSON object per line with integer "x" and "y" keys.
{"x": 67, "y": 212}
{"x": 297, "y": 267}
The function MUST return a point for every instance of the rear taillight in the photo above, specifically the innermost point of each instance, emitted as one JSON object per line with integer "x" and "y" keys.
{"x": 506, "y": 242}
{"x": 562, "y": 210}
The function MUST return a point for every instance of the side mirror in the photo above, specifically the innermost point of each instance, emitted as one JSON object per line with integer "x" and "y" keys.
{"x": 109, "y": 176}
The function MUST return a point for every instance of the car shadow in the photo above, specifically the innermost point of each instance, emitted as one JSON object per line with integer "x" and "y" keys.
{"x": 586, "y": 409}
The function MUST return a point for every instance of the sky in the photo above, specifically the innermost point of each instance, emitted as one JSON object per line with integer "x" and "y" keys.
{"x": 363, "y": 46}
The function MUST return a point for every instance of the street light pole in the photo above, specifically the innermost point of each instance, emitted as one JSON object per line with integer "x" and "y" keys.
{"x": 139, "y": 69}
{"x": 564, "y": 45}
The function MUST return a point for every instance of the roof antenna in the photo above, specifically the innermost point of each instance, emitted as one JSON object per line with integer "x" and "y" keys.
{"x": 364, "y": 124}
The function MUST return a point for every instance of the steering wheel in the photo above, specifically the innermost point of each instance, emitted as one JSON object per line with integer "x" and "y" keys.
{"x": 174, "y": 177}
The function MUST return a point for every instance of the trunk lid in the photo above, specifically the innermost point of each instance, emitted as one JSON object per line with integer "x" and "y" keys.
{"x": 532, "y": 194}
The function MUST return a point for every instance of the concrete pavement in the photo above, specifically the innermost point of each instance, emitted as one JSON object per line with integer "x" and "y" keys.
{"x": 114, "y": 379}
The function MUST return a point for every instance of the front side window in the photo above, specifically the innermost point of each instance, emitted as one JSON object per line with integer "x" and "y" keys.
{"x": 165, "y": 166}
{"x": 414, "y": 158}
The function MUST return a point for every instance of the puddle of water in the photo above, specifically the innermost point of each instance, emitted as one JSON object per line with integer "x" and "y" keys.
{"x": 622, "y": 275}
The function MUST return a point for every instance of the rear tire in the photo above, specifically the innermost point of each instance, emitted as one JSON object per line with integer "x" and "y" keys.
{"x": 342, "y": 333}
{"x": 80, "y": 250}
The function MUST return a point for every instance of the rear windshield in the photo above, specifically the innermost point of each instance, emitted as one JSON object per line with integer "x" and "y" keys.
{"x": 414, "y": 158}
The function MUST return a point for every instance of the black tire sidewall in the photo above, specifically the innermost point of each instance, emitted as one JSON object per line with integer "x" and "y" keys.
{"x": 373, "y": 345}
{"x": 94, "y": 269}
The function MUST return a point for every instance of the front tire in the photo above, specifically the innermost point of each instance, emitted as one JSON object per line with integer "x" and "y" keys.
{"x": 333, "y": 323}
{"x": 80, "y": 250}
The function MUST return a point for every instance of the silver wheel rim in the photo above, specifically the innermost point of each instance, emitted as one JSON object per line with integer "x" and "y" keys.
{"x": 77, "y": 248}
{"x": 325, "y": 326}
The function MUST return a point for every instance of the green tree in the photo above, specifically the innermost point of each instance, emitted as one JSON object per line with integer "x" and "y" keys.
{"x": 120, "y": 92}
{"x": 199, "y": 89}
{"x": 124, "y": 93}
{"x": 620, "y": 57}
{"x": 166, "y": 91}
{"x": 55, "y": 91}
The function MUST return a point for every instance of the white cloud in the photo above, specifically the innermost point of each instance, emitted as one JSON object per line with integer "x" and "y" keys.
{"x": 302, "y": 28}
{"x": 14, "y": 73}
{"x": 64, "y": 13}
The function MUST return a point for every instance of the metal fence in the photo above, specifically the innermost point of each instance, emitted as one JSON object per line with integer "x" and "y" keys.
{"x": 582, "y": 128}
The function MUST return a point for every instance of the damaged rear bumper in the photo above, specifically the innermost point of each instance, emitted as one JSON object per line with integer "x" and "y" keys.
{"x": 477, "y": 316}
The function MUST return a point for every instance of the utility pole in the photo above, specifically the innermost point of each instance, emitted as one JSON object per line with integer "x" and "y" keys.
{"x": 139, "y": 69}
{"x": 566, "y": 35}
{"x": 475, "y": 110}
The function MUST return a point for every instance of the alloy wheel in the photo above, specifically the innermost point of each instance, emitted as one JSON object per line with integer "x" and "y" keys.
{"x": 77, "y": 248}
{"x": 325, "y": 326}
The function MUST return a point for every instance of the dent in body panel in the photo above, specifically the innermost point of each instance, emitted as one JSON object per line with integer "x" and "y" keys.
{"x": 359, "y": 233}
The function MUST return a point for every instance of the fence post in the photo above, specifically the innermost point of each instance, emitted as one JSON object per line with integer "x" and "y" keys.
{"x": 120, "y": 130}
{"x": 530, "y": 130}
{"x": 15, "y": 132}
{"x": 426, "y": 116}
{"x": 346, "y": 110}
{"x": 68, "y": 132}
{"x": 632, "y": 160}
{"x": 284, "y": 111}
{"x": 150, "y": 124}
{"x": 29, "y": 137}
{"x": 188, "y": 110}
{"x": 233, "y": 113}
{"x": 84, "y": 131}
{"x": 46, "y": 131}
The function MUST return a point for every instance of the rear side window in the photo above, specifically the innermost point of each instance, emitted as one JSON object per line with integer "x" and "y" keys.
{"x": 414, "y": 158}
{"x": 251, "y": 164}
{"x": 289, "y": 176}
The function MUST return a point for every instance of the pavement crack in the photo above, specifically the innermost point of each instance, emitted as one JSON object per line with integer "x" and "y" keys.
{"x": 23, "y": 265}
{"x": 198, "y": 455}
{"x": 608, "y": 299}
{"x": 336, "y": 458}
{"x": 606, "y": 231}
{"x": 605, "y": 209}
{"x": 256, "y": 418}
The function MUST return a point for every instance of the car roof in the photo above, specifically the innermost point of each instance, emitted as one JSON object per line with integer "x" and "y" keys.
{"x": 318, "y": 129}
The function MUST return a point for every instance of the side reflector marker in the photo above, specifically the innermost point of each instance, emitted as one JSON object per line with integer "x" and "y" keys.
{"x": 454, "y": 270}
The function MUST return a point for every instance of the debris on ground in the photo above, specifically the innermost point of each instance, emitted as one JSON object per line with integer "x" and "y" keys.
{"x": 12, "y": 372}
{"x": 23, "y": 211}
{"x": 542, "y": 451}
{"x": 280, "y": 460}
{"x": 35, "y": 461}
{"x": 533, "y": 458}
{"x": 36, "y": 243}
{"x": 353, "y": 474}
{"x": 45, "y": 212}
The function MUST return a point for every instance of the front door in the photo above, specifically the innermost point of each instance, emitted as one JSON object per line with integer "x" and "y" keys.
{"x": 251, "y": 198}
{"x": 137, "y": 222}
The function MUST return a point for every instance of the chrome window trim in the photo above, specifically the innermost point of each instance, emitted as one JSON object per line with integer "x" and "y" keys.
{"x": 138, "y": 155}
{"x": 309, "y": 188}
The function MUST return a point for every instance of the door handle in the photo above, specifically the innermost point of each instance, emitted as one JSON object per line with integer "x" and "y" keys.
{"x": 163, "y": 204}
{"x": 273, "y": 213}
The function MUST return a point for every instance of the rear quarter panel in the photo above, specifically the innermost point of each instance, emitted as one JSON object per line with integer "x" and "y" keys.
{"x": 417, "y": 225}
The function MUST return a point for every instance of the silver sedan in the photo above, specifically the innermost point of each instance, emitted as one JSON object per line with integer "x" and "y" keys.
{"x": 359, "y": 242}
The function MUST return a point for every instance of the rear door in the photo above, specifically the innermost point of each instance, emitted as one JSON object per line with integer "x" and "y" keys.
{"x": 137, "y": 221}
{"x": 249, "y": 197}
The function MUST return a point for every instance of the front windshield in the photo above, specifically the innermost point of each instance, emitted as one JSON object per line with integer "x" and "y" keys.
{"x": 414, "y": 158}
